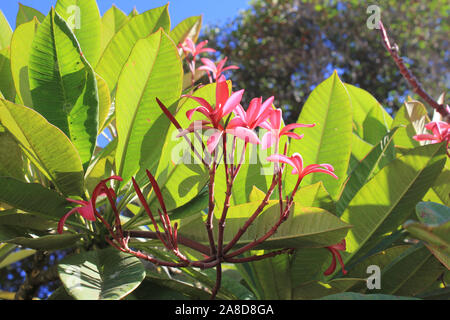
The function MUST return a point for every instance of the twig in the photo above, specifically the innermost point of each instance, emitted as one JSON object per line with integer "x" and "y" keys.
{"x": 444, "y": 110}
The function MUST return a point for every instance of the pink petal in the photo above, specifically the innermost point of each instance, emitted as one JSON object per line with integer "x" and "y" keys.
{"x": 275, "y": 118}
{"x": 284, "y": 159}
{"x": 268, "y": 140}
{"x": 245, "y": 134}
{"x": 202, "y": 102}
{"x": 332, "y": 267}
{"x": 236, "y": 122}
{"x": 80, "y": 202}
{"x": 293, "y": 126}
{"x": 292, "y": 135}
{"x": 213, "y": 141}
{"x": 203, "y": 110}
{"x": 233, "y": 101}
{"x": 207, "y": 62}
{"x": 222, "y": 92}
{"x": 240, "y": 112}
{"x": 253, "y": 109}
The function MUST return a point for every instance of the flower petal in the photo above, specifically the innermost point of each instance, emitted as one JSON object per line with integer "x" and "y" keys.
{"x": 268, "y": 140}
{"x": 232, "y": 102}
{"x": 62, "y": 221}
{"x": 213, "y": 141}
{"x": 245, "y": 134}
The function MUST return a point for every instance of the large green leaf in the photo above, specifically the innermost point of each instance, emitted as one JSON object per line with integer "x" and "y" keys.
{"x": 32, "y": 197}
{"x": 6, "y": 80}
{"x": 360, "y": 149}
{"x": 413, "y": 271}
{"x": 27, "y": 14}
{"x": 84, "y": 20}
{"x": 16, "y": 256}
{"x": 119, "y": 49}
{"x": 21, "y": 42}
{"x": 387, "y": 200}
{"x": 5, "y": 31}
{"x": 104, "y": 103}
{"x": 154, "y": 70}
{"x": 112, "y": 21}
{"x": 63, "y": 85}
{"x": 189, "y": 27}
{"x": 11, "y": 161}
{"x": 46, "y": 146}
{"x": 379, "y": 156}
{"x": 367, "y": 113}
{"x": 411, "y": 118}
{"x": 376, "y": 125}
{"x": 48, "y": 242}
{"x": 106, "y": 274}
{"x": 305, "y": 227}
{"x": 329, "y": 107}
{"x": 319, "y": 289}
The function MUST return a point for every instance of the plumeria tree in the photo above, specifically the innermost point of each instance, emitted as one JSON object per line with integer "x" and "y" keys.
{"x": 196, "y": 195}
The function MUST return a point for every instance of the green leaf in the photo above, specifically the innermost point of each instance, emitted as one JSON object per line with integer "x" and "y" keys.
{"x": 379, "y": 156}
{"x": 5, "y": 31}
{"x": 46, "y": 146}
{"x": 360, "y": 296}
{"x": 376, "y": 125}
{"x": 6, "y": 79}
{"x": 410, "y": 273}
{"x": 112, "y": 21}
{"x": 360, "y": 149}
{"x": 305, "y": 227}
{"x": 49, "y": 242}
{"x": 83, "y": 18}
{"x": 104, "y": 103}
{"x": 367, "y": 111}
{"x": 189, "y": 27}
{"x": 21, "y": 44}
{"x": 432, "y": 213}
{"x": 16, "y": 256}
{"x": 63, "y": 85}
{"x": 315, "y": 195}
{"x": 25, "y": 220}
{"x": 32, "y": 197}
{"x": 119, "y": 49}
{"x": 308, "y": 265}
{"x": 11, "y": 161}
{"x": 106, "y": 274}
{"x": 411, "y": 118}
{"x": 27, "y": 14}
{"x": 154, "y": 70}
{"x": 387, "y": 200}
{"x": 329, "y": 107}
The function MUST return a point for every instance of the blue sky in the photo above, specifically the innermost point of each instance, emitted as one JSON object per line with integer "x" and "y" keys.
{"x": 214, "y": 11}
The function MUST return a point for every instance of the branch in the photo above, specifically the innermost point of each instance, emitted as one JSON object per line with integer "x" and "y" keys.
{"x": 444, "y": 110}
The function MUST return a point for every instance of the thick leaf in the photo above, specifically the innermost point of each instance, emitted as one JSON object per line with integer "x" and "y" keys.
{"x": 154, "y": 70}
{"x": 189, "y": 27}
{"x": 387, "y": 200}
{"x": 106, "y": 274}
{"x": 49, "y": 242}
{"x": 46, "y": 146}
{"x": 6, "y": 80}
{"x": 367, "y": 112}
{"x": 410, "y": 273}
{"x": 84, "y": 20}
{"x": 305, "y": 227}
{"x": 25, "y": 220}
{"x": 329, "y": 107}
{"x": 309, "y": 264}
{"x": 315, "y": 195}
{"x": 360, "y": 149}
{"x": 437, "y": 239}
{"x": 16, "y": 256}
{"x": 11, "y": 161}
{"x": 411, "y": 118}
{"x": 21, "y": 42}
{"x": 360, "y": 296}
{"x": 63, "y": 85}
{"x": 104, "y": 103}
{"x": 376, "y": 125}
{"x": 112, "y": 21}
{"x": 378, "y": 157}
{"x": 5, "y": 31}
{"x": 119, "y": 49}
{"x": 432, "y": 213}
{"x": 27, "y": 14}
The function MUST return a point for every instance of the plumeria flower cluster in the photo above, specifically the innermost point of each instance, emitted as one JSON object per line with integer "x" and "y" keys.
{"x": 226, "y": 116}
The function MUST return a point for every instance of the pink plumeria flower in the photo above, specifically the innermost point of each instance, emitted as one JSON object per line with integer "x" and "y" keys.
{"x": 257, "y": 113}
{"x": 440, "y": 130}
{"x": 275, "y": 132}
{"x": 225, "y": 104}
{"x": 189, "y": 47}
{"x": 296, "y": 161}
{"x": 334, "y": 249}
{"x": 216, "y": 70}
{"x": 87, "y": 209}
